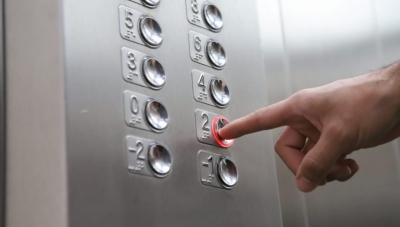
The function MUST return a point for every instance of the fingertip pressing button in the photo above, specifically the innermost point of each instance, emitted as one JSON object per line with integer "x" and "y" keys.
{"x": 218, "y": 123}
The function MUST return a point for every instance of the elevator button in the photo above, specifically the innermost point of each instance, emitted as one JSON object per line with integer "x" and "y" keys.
{"x": 151, "y": 3}
{"x": 220, "y": 92}
{"x": 157, "y": 115}
{"x": 218, "y": 123}
{"x": 212, "y": 17}
{"x": 227, "y": 172}
{"x": 159, "y": 159}
{"x": 150, "y": 31}
{"x": 153, "y": 73}
{"x": 216, "y": 54}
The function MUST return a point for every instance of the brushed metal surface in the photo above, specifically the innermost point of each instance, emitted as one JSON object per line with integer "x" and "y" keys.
{"x": 208, "y": 164}
{"x": 129, "y": 25}
{"x": 2, "y": 120}
{"x": 101, "y": 192}
{"x": 137, "y": 150}
{"x": 36, "y": 140}
{"x": 201, "y": 87}
{"x": 204, "y": 122}
{"x": 132, "y": 66}
{"x": 135, "y": 111}
{"x": 195, "y": 13}
{"x": 198, "y": 49}
{"x": 321, "y": 43}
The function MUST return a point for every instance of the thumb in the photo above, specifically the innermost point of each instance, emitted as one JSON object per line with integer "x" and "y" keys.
{"x": 317, "y": 163}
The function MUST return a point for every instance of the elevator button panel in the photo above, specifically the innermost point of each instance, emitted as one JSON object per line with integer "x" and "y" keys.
{"x": 210, "y": 90}
{"x": 144, "y": 112}
{"x": 206, "y": 51}
{"x": 207, "y": 126}
{"x": 148, "y": 3}
{"x": 217, "y": 170}
{"x": 142, "y": 69}
{"x": 148, "y": 158}
{"x": 204, "y": 14}
{"x": 139, "y": 28}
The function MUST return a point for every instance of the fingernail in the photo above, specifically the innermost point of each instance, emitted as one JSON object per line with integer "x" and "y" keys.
{"x": 306, "y": 185}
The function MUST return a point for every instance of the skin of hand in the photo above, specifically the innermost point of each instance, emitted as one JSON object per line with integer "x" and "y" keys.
{"x": 327, "y": 123}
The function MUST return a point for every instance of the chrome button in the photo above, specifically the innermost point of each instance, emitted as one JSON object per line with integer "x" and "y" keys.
{"x": 220, "y": 124}
{"x": 150, "y": 31}
{"x": 212, "y": 17}
{"x": 151, "y": 3}
{"x": 216, "y": 54}
{"x": 227, "y": 172}
{"x": 157, "y": 115}
{"x": 159, "y": 159}
{"x": 220, "y": 92}
{"x": 153, "y": 72}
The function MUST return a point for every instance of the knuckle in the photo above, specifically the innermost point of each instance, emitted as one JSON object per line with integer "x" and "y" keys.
{"x": 314, "y": 170}
{"x": 301, "y": 99}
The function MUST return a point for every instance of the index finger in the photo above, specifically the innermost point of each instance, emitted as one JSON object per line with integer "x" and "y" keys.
{"x": 270, "y": 117}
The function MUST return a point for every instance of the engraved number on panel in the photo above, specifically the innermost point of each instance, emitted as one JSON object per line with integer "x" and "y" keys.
{"x": 136, "y": 118}
{"x": 208, "y": 164}
{"x": 131, "y": 66}
{"x": 203, "y": 127}
{"x": 206, "y": 121}
{"x": 131, "y": 61}
{"x": 139, "y": 160}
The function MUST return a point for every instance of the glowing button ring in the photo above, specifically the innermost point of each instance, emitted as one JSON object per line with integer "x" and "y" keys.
{"x": 216, "y": 125}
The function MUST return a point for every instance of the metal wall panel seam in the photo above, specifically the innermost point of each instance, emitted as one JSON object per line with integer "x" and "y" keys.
{"x": 289, "y": 91}
{"x": 2, "y": 119}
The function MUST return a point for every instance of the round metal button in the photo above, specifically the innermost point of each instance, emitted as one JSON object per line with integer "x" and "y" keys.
{"x": 159, "y": 159}
{"x": 150, "y": 31}
{"x": 213, "y": 17}
{"x": 220, "y": 92}
{"x": 216, "y": 54}
{"x": 151, "y": 3}
{"x": 153, "y": 73}
{"x": 218, "y": 123}
{"x": 156, "y": 115}
{"x": 227, "y": 172}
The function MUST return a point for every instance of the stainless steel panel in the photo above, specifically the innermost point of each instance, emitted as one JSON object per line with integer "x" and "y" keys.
{"x": 132, "y": 67}
{"x": 137, "y": 150}
{"x": 2, "y": 121}
{"x": 101, "y": 191}
{"x": 196, "y": 14}
{"x": 208, "y": 164}
{"x": 36, "y": 140}
{"x": 323, "y": 42}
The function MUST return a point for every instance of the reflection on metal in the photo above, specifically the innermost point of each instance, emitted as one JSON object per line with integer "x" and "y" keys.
{"x": 150, "y": 31}
{"x": 227, "y": 172}
{"x": 159, "y": 160}
{"x": 216, "y": 54}
{"x": 156, "y": 115}
{"x": 220, "y": 92}
{"x": 153, "y": 73}
{"x": 212, "y": 17}
{"x": 151, "y": 3}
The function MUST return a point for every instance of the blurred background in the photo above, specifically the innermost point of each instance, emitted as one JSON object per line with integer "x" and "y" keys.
{"x": 310, "y": 43}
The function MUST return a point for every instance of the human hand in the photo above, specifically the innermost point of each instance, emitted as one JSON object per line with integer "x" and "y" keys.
{"x": 325, "y": 124}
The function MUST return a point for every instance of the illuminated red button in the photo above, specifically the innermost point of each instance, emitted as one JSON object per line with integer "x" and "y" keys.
{"x": 218, "y": 123}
